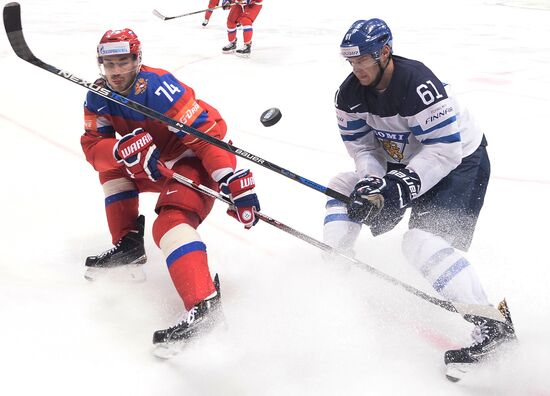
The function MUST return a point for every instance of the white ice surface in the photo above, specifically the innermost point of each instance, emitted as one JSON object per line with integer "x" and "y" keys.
{"x": 297, "y": 326}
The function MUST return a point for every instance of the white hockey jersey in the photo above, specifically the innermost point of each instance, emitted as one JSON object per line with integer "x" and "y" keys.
{"x": 416, "y": 121}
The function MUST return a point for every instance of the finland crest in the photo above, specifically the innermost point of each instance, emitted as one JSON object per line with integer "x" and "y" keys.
{"x": 393, "y": 143}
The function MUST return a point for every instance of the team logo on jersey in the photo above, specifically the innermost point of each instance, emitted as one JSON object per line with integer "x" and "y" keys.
{"x": 394, "y": 143}
{"x": 141, "y": 86}
{"x": 393, "y": 150}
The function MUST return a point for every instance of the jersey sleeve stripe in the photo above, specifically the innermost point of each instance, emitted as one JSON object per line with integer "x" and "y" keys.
{"x": 417, "y": 130}
{"x": 355, "y": 136}
{"x": 106, "y": 130}
{"x": 353, "y": 125}
{"x": 455, "y": 137}
{"x": 201, "y": 119}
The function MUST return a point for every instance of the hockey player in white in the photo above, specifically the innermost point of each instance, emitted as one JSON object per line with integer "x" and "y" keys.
{"x": 414, "y": 146}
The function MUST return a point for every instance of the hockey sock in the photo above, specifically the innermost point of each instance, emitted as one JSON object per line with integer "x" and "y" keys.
{"x": 339, "y": 231}
{"x": 444, "y": 267}
{"x": 186, "y": 259}
{"x": 121, "y": 207}
{"x": 232, "y": 34}
{"x": 247, "y": 34}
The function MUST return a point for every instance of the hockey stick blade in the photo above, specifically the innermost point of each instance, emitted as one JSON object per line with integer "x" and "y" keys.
{"x": 12, "y": 23}
{"x": 158, "y": 14}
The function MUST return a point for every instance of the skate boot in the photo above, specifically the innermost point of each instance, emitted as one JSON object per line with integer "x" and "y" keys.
{"x": 230, "y": 47}
{"x": 488, "y": 335}
{"x": 129, "y": 253}
{"x": 205, "y": 22}
{"x": 244, "y": 52}
{"x": 201, "y": 319}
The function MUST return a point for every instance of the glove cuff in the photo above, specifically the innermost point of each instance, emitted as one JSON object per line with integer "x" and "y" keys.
{"x": 409, "y": 182}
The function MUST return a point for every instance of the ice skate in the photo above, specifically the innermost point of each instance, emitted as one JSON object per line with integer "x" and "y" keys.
{"x": 201, "y": 319}
{"x": 230, "y": 47}
{"x": 205, "y": 22}
{"x": 124, "y": 259}
{"x": 244, "y": 52}
{"x": 489, "y": 335}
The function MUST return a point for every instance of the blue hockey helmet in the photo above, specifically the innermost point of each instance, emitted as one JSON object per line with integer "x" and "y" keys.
{"x": 366, "y": 37}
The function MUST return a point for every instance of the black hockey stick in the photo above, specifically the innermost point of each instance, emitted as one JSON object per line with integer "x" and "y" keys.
{"x": 169, "y": 173}
{"x": 14, "y": 30}
{"x": 166, "y": 18}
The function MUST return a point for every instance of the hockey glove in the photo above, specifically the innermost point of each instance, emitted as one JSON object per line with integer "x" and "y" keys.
{"x": 239, "y": 188}
{"x": 226, "y": 4}
{"x": 139, "y": 154}
{"x": 395, "y": 191}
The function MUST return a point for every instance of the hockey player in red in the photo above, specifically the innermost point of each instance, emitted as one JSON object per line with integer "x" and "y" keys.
{"x": 208, "y": 13}
{"x": 129, "y": 165}
{"x": 242, "y": 13}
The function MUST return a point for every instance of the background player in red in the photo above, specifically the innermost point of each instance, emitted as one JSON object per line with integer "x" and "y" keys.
{"x": 208, "y": 13}
{"x": 242, "y": 13}
{"x": 128, "y": 166}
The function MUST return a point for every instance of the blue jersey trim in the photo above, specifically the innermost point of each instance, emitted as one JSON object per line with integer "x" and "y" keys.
{"x": 201, "y": 119}
{"x": 417, "y": 130}
{"x": 106, "y": 130}
{"x": 355, "y": 136}
{"x": 455, "y": 137}
{"x": 352, "y": 125}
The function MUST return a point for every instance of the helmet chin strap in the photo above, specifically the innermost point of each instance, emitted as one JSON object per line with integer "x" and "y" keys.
{"x": 381, "y": 71}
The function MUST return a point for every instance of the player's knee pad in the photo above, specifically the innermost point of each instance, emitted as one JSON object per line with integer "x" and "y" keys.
{"x": 176, "y": 237}
{"x": 114, "y": 187}
{"x": 169, "y": 218}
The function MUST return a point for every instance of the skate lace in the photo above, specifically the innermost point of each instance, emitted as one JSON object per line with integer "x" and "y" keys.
{"x": 480, "y": 333}
{"x": 191, "y": 315}
{"x": 111, "y": 250}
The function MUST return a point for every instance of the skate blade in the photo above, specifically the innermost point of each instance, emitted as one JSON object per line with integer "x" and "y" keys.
{"x": 228, "y": 52}
{"x": 168, "y": 350}
{"x": 130, "y": 272}
{"x": 457, "y": 371}
{"x": 242, "y": 55}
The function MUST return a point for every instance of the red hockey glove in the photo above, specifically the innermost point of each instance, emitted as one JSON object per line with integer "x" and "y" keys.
{"x": 139, "y": 154}
{"x": 239, "y": 188}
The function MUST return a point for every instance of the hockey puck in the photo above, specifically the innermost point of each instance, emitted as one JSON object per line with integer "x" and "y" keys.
{"x": 270, "y": 117}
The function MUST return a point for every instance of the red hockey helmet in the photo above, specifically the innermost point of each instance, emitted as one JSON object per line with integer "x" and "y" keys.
{"x": 119, "y": 42}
